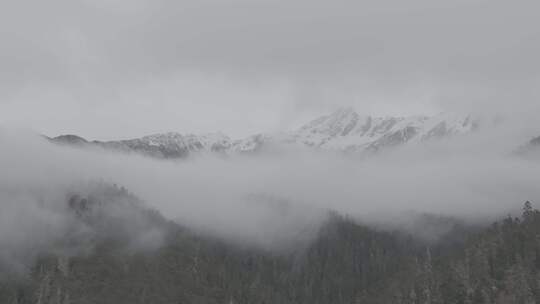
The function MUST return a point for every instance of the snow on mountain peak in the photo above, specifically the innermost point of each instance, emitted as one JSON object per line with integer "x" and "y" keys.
{"x": 342, "y": 130}
{"x": 347, "y": 130}
{"x": 339, "y": 122}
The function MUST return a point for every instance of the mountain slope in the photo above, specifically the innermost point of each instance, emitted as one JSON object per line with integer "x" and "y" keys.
{"x": 165, "y": 145}
{"x": 346, "y": 263}
{"x": 344, "y": 130}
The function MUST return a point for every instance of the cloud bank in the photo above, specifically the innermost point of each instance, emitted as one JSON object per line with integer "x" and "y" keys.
{"x": 205, "y": 66}
{"x": 265, "y": 199}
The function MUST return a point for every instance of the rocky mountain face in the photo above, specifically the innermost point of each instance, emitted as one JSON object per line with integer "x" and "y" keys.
{"x": 344, "y": 130}
{"x": 347, "y": 262}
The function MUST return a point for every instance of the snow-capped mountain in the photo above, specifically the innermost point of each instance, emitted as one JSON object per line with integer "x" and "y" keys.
{"x": 348, "y": 131}
{"x": 343, "y": 130}
{"x": 175, "y": 145}
{"x": 164, "y": 145}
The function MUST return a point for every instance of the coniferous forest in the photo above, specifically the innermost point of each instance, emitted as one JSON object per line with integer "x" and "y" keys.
{"x": 346, "y": 262}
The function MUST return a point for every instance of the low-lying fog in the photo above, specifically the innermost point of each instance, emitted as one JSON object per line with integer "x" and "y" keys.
{"x": 262, "y": 198}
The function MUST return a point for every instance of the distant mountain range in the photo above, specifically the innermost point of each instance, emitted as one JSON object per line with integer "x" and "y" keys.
{"x": 165, "y": 145}
{"x": 343, "y": 130}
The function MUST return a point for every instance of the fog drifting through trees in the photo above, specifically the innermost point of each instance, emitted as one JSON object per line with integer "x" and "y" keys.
{"x": 266, "y": 199}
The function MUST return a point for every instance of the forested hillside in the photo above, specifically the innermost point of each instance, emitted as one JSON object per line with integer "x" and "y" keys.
{"x": 346, "y": 263}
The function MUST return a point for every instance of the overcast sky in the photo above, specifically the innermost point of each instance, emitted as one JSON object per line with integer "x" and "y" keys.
{"x": 124, "y": 68}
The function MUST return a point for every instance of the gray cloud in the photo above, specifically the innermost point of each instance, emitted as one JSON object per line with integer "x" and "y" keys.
{"x": 212, "y": 65}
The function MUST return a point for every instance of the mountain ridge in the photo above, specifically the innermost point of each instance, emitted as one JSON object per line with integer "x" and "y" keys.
{"x": 343, "y": 130}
